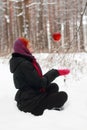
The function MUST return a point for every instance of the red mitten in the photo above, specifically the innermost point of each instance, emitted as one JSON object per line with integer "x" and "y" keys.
{"x": 63, "y": 72}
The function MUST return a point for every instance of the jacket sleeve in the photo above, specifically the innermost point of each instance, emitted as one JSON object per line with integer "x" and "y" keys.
{"x": 51, "y": 75}
{"x": 33, "y": 79}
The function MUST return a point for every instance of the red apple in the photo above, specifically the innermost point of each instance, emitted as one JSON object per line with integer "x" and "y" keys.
{"x": 56, "y": 36}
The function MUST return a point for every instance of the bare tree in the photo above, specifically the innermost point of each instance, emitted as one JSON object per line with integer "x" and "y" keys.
{"x": 39, "y": 19}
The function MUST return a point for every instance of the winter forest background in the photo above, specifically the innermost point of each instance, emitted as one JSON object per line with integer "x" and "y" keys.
{"x": 37, "y": 20}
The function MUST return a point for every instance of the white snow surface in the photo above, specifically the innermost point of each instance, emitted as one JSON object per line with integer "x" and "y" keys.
{"x": 74, "y": 115}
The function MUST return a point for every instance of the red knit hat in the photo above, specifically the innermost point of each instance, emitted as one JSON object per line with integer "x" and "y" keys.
{"x": 24, "y": 41}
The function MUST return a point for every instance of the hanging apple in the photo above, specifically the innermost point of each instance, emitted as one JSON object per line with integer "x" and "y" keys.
{"x": 56, "y": 36}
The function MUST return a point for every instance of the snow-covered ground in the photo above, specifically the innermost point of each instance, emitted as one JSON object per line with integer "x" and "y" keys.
{"x": 73, "y": 117}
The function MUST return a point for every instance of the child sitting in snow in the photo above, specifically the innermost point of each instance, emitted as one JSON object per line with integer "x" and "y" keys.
{"x": 36, "y": 92}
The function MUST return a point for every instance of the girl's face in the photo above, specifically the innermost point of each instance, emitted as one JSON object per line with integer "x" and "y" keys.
{"x": 29, "y": 47}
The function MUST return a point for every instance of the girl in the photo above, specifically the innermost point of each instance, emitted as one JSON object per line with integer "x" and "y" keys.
{"x": 36, "y": 92}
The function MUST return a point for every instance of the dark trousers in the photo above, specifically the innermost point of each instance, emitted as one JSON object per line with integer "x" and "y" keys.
{"x": 54, "y": 99}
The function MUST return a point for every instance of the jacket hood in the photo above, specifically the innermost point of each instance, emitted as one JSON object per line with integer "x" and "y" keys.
{"x": 14, "y": 63}
{"x": 18, "y": 59}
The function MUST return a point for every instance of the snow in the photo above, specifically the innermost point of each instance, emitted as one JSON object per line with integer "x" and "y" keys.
{"x": 20, "y": 14}
{"x": 74, "y": 115}
{"x": 7, "y": 18}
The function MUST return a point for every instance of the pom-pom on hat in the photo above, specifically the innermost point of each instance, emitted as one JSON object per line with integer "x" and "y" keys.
{"x": 24, "y": 41}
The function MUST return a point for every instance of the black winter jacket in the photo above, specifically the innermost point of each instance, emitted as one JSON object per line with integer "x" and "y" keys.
{"x": 28, "y": 82}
